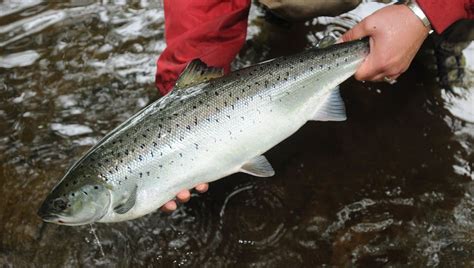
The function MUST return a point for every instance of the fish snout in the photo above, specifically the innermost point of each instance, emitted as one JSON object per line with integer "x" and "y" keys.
{"x": 51, "y": 208}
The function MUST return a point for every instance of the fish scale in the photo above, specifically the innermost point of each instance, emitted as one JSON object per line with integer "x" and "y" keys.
{"x": 210, "y": 129}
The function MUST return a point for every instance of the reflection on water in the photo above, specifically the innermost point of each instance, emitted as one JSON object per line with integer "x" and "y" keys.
{"x": 392, "y": 185}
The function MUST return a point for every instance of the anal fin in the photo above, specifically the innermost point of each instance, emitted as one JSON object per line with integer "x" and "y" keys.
{"x": 258, "y": 166}
{"x": 333, "y": 109}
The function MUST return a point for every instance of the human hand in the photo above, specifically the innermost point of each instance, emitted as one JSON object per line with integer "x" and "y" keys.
{"x": 183, "y": 197}
{"x": 396, "y": 35}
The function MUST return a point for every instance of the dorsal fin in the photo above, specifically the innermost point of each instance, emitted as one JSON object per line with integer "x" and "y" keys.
{"x": 197, "y": 72}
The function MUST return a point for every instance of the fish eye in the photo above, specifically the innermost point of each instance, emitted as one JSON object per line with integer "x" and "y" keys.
{"x": 60, "y": 204}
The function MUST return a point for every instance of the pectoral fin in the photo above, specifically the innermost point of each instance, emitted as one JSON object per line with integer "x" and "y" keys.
{"x": 197, "y": 72}
{"x": 258, "y": 166}
{"x": 333, "y": 109}
{"x": 128, "y": 204}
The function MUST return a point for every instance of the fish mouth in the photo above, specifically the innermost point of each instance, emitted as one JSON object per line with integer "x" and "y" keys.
{"x": 58, "y": 219}
{"x": 55, "y": 217}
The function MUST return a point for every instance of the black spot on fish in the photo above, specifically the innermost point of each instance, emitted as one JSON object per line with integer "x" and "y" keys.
{"x": 243, "y": 118}
{"x": 232, "y": 106}
{"x": 135, "y": 140}
{"x": 194, "y": 107}
{"x": 72, "y": 194}
{"x": 142, "y": 146}
{"x": 148, "y": 173}
{"x": 228, "y": 116}
{"x": 216, "y": 93}
{"x": 110, "y": 171}
{"x": 140, "y": 157}
{"x": 116, "y": 168}
{"x": 96, "y": 187}
{"x": 180, "y": 155}
{"x": 200, "y": 101}
{"x": 181, "y": 138}
{"x": 195, "y": 120}
{"x": 188, "y": 127}
{"x": 141, "y": 174}
{"x": 225, "y": 103}
{"x": 177, "y": 125}
{"x": 155, "y": 144}
{"x": 144, "y": 135}
{"x": 311, "y": 68}
{"x": 151, "y": 153}
{"x": 160, "y": 166}
{"x": 160, "y": 126}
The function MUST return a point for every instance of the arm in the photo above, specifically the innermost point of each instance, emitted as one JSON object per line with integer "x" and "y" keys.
{"x": 210, "y": 30}
{"x": 396, "y": 35}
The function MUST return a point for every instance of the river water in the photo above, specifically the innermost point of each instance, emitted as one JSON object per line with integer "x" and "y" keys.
{"x": 393, "y": 185}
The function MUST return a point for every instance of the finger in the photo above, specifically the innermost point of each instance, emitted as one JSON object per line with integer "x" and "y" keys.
{"x": 202, "y": 188}
{"x": 170, "y": 206}
{"x": 367, "y": 72}
{"x": 357, "y": 32}
{"x": 183, "y": 196}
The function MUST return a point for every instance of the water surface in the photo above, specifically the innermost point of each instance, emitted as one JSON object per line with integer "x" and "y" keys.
{"x": 393, "y": 185}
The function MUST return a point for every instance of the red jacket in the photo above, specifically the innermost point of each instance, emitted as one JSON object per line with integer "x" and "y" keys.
{"x": 443, "y": 13}
{"x": 214, "y": 31}
{"x": 211, "y": 30}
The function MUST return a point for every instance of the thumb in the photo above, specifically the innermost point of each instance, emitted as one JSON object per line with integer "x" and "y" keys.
{"x": 357, "y": 32}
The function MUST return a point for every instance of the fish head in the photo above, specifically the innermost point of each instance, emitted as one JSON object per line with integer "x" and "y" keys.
{"x": 74, "y": 202}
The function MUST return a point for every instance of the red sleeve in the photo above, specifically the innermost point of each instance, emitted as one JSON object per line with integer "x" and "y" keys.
{"x": 211, "y": 30}
{"x": 443, "y": 13}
